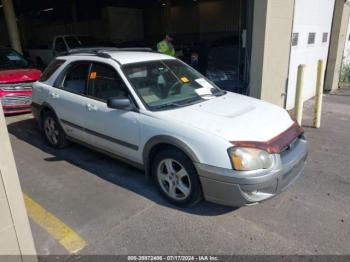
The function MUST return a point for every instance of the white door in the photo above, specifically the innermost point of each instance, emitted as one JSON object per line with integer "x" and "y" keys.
{"x": 112, "y": 130}
{"x": 68, "y": 100}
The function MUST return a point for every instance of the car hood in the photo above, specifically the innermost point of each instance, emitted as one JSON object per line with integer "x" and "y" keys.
{"x": 233, "y": 117}
{"x": 19, "y": 75}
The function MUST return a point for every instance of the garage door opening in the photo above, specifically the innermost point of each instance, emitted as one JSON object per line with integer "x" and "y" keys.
{"x": 217, "y": 31}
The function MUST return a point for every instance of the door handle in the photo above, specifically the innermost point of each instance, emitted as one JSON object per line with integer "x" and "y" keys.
{"x": 54, "y": 95}
{"x": 91, "y": 107}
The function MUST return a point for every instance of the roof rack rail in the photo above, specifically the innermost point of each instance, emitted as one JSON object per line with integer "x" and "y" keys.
{"x": 102, "y": 51}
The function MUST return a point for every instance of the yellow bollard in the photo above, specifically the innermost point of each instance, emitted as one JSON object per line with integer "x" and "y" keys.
{"x": 319, "y": 95}
{"x": 298, "y": 108}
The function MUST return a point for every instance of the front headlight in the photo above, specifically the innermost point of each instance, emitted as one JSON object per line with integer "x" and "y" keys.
{"x": 248, "y": 159}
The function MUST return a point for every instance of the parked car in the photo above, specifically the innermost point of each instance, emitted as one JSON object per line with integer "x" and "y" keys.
{"x": 16, "y": 78}
{"x": 62, "y": 44}
{"x": 158, "y": 114}
{"x": 224, "y": 62}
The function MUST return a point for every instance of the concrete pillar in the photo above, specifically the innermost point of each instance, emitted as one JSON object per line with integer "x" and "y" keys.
{"x": 15, "y": 233}
{"x": 271, "y": 46}
{"x": 337, "y": 44}
{"x": 11, "y": 22}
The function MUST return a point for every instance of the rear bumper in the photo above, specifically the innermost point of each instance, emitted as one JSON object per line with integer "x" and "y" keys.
{"x": 18, "y": 109}
{"x": 234, "y": 188}
{"x": 36, "y": 111}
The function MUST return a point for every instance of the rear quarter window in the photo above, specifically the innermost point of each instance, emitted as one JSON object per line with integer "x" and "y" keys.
{"x": 51, "y": 69}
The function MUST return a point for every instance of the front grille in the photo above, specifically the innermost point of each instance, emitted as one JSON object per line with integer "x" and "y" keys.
{"x": 13, "y": 100}
{"x": 22, "y": 86}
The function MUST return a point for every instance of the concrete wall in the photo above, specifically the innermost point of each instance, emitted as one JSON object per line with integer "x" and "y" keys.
{"x": 271, "y": 40}
{"x": 15, "y": 234}
{"x": 124, "y": 23}
{"x": 337, "y": 43}
{"x": 311, "y": 16}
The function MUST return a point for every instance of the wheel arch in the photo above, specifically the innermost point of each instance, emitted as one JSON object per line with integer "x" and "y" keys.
{"x": 157, "y": 143}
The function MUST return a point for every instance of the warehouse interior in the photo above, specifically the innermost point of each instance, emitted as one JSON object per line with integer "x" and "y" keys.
{"x": 219, "y": 31}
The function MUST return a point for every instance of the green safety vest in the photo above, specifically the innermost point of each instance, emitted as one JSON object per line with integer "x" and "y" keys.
{"x": 166, "y": 48}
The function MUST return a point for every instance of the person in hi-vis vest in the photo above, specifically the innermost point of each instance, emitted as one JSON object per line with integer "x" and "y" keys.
{"x": 166, "y": 46}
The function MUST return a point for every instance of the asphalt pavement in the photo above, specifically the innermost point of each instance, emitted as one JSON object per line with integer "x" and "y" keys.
{"x": 115, "y": 210}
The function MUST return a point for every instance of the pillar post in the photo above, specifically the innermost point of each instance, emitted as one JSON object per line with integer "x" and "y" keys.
{"x": 271, "y": 45}
{"x": 11, "y": 23}
{"x": 337, "y": 44}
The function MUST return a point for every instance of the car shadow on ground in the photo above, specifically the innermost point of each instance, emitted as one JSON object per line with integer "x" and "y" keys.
{"x": 106, "y": 168}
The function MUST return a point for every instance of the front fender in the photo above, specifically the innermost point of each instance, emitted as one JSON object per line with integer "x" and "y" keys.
{"x": 165, "y": 139}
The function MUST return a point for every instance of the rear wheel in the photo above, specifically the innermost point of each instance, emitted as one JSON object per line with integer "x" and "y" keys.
{"x": 176, "y": 177}
{"x": 52, "y": 130}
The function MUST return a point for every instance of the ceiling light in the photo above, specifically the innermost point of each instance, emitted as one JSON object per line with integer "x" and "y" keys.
{"x": 48, "y": 9}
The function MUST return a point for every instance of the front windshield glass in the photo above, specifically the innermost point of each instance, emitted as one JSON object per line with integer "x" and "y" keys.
{"x": 10, "y": 59}
{"x": 81, "y": 41}
{"x": 169, "y": 83}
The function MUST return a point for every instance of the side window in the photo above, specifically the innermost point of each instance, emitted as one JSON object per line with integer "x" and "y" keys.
{"x": 60, "y": 46}
{"x": 104, "y": 83}
{"x": 51, "y": 69}
{"x": 76, "y": 78}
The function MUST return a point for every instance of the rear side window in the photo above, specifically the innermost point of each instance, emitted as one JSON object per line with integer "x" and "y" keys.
{"x": 76, "y": 78}
{"x": 53, "y": 66}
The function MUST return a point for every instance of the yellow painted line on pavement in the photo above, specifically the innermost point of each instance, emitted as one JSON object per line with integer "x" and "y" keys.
{"x": 66, "y": 236}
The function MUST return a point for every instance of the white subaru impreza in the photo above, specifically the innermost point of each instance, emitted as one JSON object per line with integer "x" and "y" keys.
{"x": 157, "y": 113}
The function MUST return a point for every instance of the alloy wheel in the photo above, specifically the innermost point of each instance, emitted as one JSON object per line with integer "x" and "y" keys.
{"x": 51, "y": 131}
{"x": 174, "y": 179}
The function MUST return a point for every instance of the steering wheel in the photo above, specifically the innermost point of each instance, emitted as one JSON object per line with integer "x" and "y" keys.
{"x": 175, "y": 88}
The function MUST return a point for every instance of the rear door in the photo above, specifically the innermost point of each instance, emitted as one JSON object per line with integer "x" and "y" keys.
{"x": 112, "y": 130}
{"x": 68, "y": 99}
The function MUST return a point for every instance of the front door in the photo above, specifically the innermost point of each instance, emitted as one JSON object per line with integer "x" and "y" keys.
{"x": 112, "y": 130}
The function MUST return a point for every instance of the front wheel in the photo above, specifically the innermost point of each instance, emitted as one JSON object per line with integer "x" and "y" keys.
{"x": 176, "y": 177}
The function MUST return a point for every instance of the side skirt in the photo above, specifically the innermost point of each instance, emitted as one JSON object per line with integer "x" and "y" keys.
{"x": 117, "y": 157}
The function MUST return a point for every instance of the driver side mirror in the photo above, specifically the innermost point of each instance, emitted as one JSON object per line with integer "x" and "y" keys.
{"x": 119, "y": 103}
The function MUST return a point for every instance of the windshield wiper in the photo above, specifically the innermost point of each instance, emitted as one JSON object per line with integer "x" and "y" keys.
{"x": 221, "y": 93}
{"x": 183, "y": 103}
{"x": 166, "y": 105}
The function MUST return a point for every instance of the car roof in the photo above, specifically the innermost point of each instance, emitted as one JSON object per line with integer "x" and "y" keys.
{"x": 128, "y": 57}
{"x": 123, "y": 57}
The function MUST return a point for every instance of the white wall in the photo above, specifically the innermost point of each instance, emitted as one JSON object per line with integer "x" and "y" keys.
{"x": 310, "y": 16}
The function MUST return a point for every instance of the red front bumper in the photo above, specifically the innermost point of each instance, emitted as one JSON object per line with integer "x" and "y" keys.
{"x": 15, "y": 102}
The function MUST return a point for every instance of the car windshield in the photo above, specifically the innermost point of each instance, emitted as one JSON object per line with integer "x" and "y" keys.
{"x": 10, "y": 59}
{"x": 81, "y": 41}
{"x": 169, "y": 83}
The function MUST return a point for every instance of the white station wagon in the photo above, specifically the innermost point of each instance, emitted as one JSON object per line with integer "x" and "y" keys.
{"x": 157, "y": 113}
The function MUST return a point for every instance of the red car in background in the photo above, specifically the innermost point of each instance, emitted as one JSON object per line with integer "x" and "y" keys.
{"x": 16, "y": 78}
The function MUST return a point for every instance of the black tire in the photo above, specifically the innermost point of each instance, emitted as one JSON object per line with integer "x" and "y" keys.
{"x": 49, "y": 118}
{"x": 195, "y": 189}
